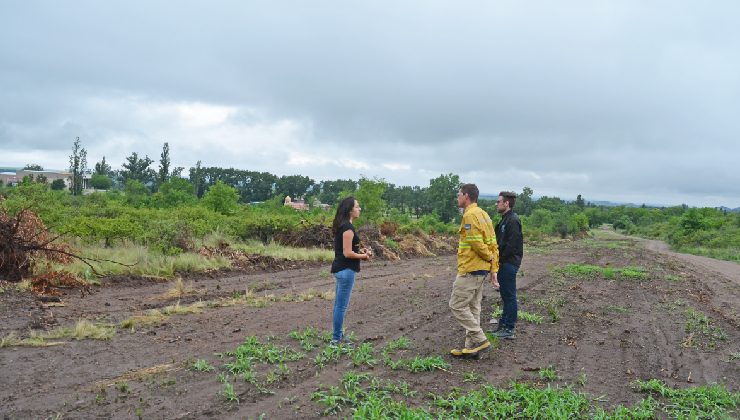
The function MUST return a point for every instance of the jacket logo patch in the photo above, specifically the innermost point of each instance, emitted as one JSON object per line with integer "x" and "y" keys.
{"x": 467, "y": 227}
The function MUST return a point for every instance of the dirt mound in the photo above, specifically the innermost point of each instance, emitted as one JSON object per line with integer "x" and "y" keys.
{"x": 311, "y": 236}
{"x": 247, "y": 261}
{"x": 410, "y": 245}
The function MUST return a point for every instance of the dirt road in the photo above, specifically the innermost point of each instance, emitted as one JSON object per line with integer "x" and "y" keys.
{"x": 609, "y": 330}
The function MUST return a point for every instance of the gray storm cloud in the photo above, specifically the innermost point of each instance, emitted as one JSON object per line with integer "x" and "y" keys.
{"x": 614, "y": 100}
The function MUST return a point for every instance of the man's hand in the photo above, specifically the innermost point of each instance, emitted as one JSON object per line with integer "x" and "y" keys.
{"x": 494, "y": 280}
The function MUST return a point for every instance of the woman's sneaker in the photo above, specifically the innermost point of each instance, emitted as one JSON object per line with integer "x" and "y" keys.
{"x": 342, "y": 343}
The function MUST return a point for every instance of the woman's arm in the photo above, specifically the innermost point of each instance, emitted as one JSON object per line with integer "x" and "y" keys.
{"x": 347, "y": 237}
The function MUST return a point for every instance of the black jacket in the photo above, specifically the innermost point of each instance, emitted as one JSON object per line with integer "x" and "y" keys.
{"x": 509, "y": 239}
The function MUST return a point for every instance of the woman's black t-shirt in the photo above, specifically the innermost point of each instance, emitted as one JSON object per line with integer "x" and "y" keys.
{"x": 340, "y": 261}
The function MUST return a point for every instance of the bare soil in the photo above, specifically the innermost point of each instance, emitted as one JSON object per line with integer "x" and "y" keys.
{"x": 613, "y": 331}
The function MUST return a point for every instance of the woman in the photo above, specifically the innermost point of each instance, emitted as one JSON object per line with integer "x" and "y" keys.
{"x": 347, "y": 256}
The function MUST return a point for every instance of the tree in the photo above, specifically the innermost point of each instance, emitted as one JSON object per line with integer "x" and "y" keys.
{"x": 42, "y": 179}
{"x": 100, "y": 181}
{"x": 221, "y": 198}
{"x": 293, "y": 185}
{"x": 136, "y": 193}
{"x": 164, "y": 165}
{"x": 175, "y": 192}
{"x": 370, "y": 196}
{"x": 57, "y": 185}
{"x": 77, "y": 165}
{"x": 196, "y": 178}
{"x": 138, "y": 169}
{"x": 442, "y": 192}
{"x": 102, "y": 168}
{"x": 329, "y": 190}
{"x": 33, "y": 167}
{"x": 524, "y": 204}
{"x": 580, "y": 202}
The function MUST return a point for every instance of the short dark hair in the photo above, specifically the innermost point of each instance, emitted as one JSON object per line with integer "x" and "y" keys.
{"x": 510, "y": 197}
{"x": 471, "y": 190}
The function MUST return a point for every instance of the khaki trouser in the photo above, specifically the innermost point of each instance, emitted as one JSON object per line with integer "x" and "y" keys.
{"x": 467, "y": 294}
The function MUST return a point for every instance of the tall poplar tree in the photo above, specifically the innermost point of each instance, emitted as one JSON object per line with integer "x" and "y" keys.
{"x": 77, "y": 165}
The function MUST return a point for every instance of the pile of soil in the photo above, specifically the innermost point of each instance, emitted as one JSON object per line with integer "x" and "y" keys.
{"x": 312, "y": 236}
{"x": 246, "y": 261}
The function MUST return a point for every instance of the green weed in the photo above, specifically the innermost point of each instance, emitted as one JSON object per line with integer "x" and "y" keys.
{"x": 701, "y": 329}
{"x": 582, "y": 379}
{"x": 548, "y": 374}
{"x": 202, "y": 365}
{"x": 123, "y": 387}
{"x": 587, "y": 271}
{"x": 427, "y": 364}
{"x": 472, "y": 377}
{"x": 229, "y": 394}
{"x": 615, "y": 308}
{"x": 364, "y": 355}
{"x": 308, "y": 338}
{"x": 331, "y": 353}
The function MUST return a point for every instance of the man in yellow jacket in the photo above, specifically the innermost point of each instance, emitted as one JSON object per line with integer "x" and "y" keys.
{"x": 477, "y": 257}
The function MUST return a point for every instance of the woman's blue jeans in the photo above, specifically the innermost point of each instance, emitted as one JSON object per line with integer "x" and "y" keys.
{"x": 345, "y": 281}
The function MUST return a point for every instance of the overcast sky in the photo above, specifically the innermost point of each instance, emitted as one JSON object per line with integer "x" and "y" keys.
{"x": 631, "y": 101}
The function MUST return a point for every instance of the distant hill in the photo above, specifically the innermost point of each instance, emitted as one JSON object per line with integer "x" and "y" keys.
{"x": 615, "y": 204}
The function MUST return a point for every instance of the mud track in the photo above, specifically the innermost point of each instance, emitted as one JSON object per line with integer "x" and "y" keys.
{"x": 613, "y": 331}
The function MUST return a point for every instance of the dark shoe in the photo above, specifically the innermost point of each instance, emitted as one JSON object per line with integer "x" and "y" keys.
{"x": 507, "y": 333}
{"x": 498, "y": 328}
{"x": 342, "y": 343}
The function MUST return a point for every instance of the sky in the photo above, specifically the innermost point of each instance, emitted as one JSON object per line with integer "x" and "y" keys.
{"x": 626, "y": 101}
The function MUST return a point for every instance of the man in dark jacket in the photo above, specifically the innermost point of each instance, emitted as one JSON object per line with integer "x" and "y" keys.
{"x": 511, "y": 249}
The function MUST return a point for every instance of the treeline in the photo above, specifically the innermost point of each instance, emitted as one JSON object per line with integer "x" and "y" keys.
{"x": 153, "y": 207}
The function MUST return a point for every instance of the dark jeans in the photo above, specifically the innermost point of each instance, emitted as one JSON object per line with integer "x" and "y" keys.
{"x": 507, "y": 282}
{"x": 345, "y": 281}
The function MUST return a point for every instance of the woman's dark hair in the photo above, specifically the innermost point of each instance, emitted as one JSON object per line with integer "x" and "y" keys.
{"x": 343, "y": 210}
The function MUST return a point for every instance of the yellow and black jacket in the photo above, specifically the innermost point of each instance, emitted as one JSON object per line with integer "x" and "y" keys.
{"x": 477, "y": 249}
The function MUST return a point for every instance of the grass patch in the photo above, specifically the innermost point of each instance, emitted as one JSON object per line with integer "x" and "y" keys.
{"x": 11, "y": 340}
{"x": 551, "y": 304}
{"x": 152, "y": 317}
{"x": 179, "y": 290}
{"x": 615, "y": 308}
{"x": 702, "y": 331}
{"x": 202, "y": 365}
{"x": 588, "y": 271}
{"x": 177, "y": 309}
{"x": 362, "y": 396}
{"x": 143, "y": 262}
{"x": 548, "y": 374}
{"x": 704, "y": 402}
{"x": 672, "y": 278}
{"x": 427, "y": 364}
{"x": 331, "y": 353}
{"x": 82, "y": 330}
{"x": 279, "y": 251}
{"x": 472, "y": 377}
{"x": 523, "y": 315}
{"x": 308, "y": 338}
